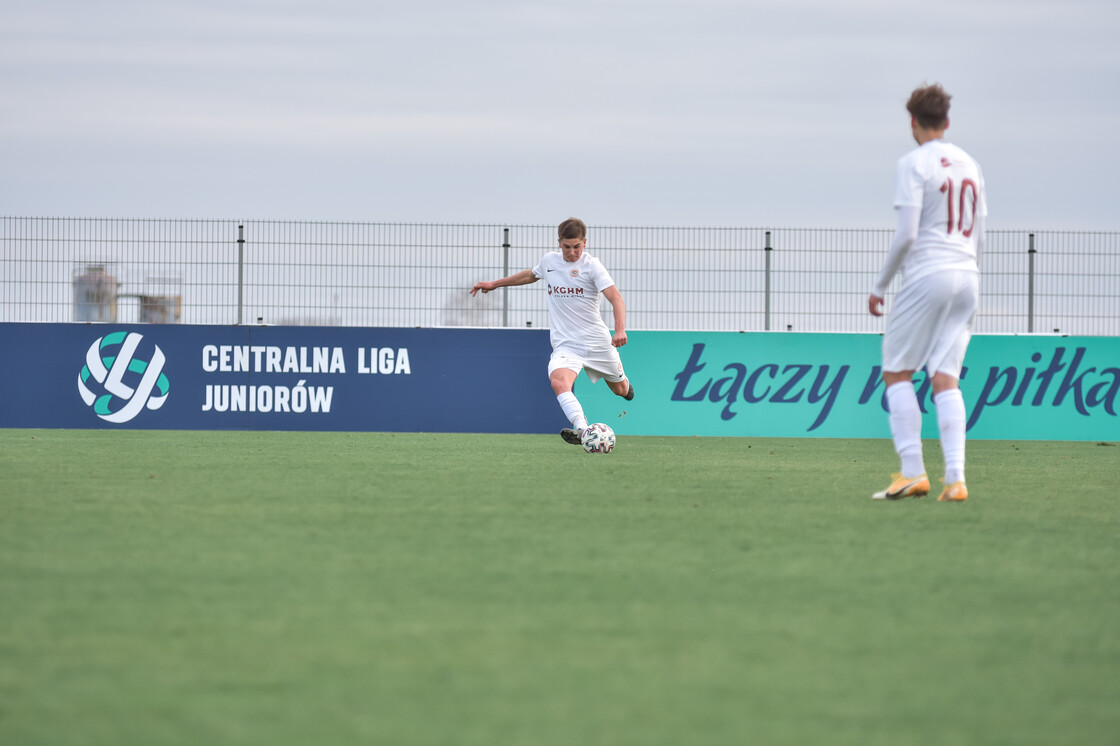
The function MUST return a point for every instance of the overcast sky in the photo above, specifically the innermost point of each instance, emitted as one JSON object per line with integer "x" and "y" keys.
{"x": 783, "y": 113}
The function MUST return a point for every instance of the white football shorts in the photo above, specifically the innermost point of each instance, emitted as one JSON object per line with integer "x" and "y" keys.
{"x": 930, "y": 323}
{"x": 600, "y": 362}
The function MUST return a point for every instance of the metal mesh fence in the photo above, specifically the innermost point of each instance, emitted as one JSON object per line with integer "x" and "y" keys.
{"x": 379, "y": 274}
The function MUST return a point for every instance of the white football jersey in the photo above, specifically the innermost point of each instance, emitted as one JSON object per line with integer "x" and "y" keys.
{"x": 573, "y": 299}
{"x": 947, "y": 184}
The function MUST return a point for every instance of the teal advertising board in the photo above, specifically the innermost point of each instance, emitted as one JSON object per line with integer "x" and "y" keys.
{"x": 1022, "y": 387}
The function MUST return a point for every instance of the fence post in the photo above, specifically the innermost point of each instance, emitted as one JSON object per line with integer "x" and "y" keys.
{"x": 240, "y": 271}
{"x": 1030, "y": 283}
{"x": 769, "y": 249}
{"x": 505, "y": 273}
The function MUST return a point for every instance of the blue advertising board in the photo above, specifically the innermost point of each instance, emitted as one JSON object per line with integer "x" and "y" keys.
{"x": 278, "y": 378}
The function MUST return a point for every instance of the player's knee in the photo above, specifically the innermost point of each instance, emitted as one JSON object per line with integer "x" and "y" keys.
{"x": 943, "y": 382}
{"x": 892, "y": 377}
{"x": 560, "y": 385}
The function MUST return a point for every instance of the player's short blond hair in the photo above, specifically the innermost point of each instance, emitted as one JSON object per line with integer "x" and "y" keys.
{"x": 929, "y": 105}
{"x": 572, "y": 228}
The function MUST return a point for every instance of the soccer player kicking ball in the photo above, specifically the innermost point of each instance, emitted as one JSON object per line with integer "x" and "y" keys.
{"x": 939, "y": 196}
{"x": 580, "y": 339}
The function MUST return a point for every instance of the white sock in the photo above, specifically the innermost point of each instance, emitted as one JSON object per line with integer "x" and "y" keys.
{"x": 573, "y": 410}
{"x": 906, "y": 427}
{"x": 951, "y": 422}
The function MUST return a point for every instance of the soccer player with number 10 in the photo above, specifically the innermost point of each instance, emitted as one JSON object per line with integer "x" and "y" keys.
{"x": 939, "y": 196}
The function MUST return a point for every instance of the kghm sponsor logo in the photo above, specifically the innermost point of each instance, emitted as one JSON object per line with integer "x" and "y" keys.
{"x": 117, "y": 383}
{"x": 562, "y": 290}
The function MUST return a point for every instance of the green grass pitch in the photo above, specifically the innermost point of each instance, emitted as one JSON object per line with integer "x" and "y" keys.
{"x": 354, "y": 588}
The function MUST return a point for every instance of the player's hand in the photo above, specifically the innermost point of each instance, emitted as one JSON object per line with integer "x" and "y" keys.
{"x": 875, "y": 304}
{"x": 485, "y": 287}
{"x": 619, "y": 339}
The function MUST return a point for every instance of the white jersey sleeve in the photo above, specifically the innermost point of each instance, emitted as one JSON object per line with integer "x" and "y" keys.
{"x": 904, "y": 235}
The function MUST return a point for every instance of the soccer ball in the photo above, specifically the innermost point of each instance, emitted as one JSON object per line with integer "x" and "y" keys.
{"x": 597, "y": 438}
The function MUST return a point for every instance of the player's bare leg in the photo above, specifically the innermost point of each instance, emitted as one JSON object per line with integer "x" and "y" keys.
{"x": 622, "y": 388}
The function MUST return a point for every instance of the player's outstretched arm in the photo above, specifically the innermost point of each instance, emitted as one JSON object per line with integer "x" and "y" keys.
{"x": 524, "y": 277}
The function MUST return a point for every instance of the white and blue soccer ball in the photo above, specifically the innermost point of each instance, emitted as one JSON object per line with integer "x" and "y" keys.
{"x": 597, "y": 438}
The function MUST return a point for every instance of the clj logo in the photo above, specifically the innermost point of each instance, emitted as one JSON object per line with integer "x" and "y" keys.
{"x": 117, "y": 383}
